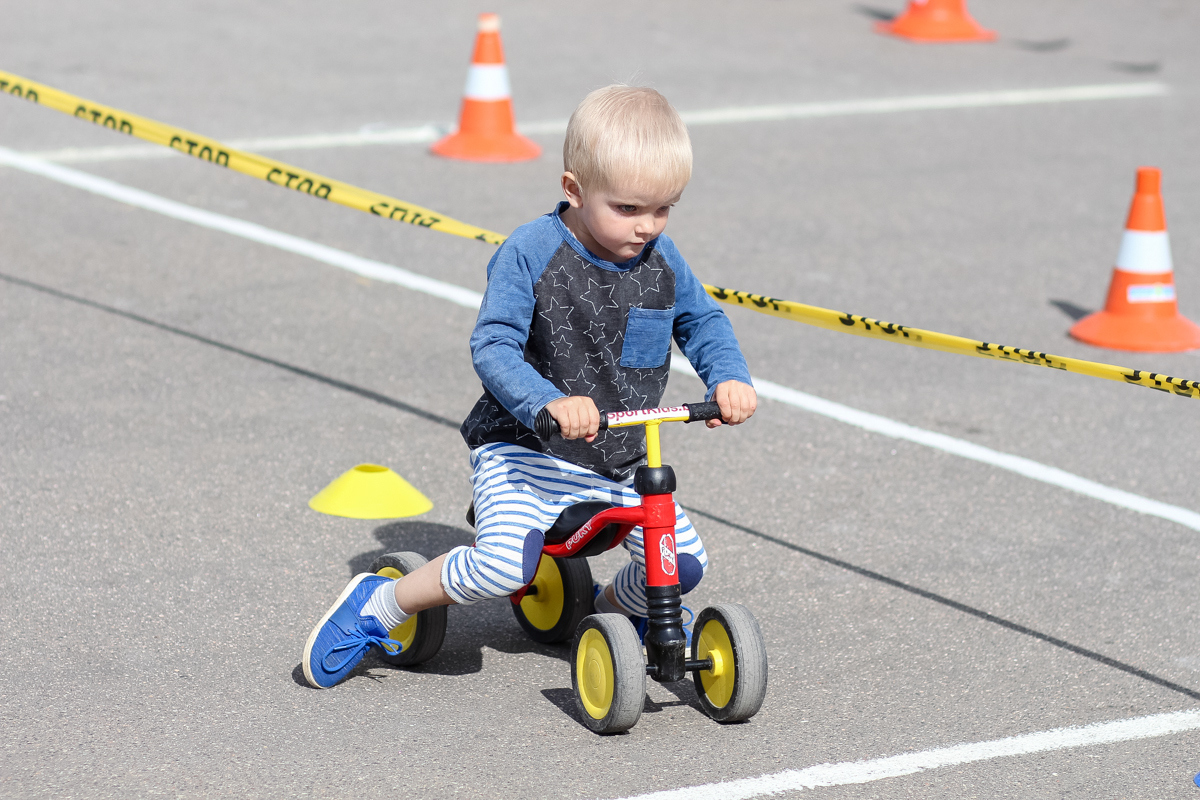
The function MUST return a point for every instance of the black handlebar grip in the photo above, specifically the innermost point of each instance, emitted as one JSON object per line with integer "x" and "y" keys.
{"x": 544, "y": 425}
{"x": 702, "y": 411}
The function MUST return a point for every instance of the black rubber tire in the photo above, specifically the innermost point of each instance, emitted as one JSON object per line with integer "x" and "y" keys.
{"x": 742, "y": 700}
{"x": 430, "y": 623}
{"x": 619, "y": 669}
{"x": 568, "y": 578}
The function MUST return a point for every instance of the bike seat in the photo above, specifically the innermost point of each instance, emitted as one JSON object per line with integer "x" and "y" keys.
{"x": 575, "y": 517}
{"x": 570, "y": 520}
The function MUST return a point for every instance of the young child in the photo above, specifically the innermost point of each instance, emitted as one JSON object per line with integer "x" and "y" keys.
{"x": 580, "y": 309}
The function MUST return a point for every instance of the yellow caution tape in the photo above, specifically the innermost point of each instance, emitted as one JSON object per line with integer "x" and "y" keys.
{"x": 255, "y": 166}
{"x": 346, "y": 194}
{"x": 931, "y": 340}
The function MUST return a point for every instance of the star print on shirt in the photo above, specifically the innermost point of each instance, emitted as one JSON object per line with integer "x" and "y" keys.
{"x": 562, "y": 277}
{"x": 565, "y": 316}
{"x": 632, "y": 398}
{"x": 594, "y": 361}
{"x": 598, "y": 296}
{"x": 579, "y": 385}
{"x": 595, "y": 331}
{"x": 562, "y": 347}
{"x": 614, "y": 443}
{"x": 645, "y": 281}
{"x": 614, "y": 347}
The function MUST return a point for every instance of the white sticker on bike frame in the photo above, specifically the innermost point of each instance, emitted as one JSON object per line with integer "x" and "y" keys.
{"x": 621, "y": 419}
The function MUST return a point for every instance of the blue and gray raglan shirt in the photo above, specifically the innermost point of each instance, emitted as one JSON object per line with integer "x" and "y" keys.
{"x": 556, "y": 320}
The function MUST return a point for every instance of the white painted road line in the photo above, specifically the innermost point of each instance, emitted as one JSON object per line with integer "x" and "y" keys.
{"x": 387, "y": 273}
{"x": 854, "y": 772}
{"x": 425, "y": 134}
{"x": 375, "y": 270}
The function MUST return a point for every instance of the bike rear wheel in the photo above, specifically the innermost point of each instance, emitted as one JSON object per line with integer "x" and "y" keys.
{"x": 559, "y": 598}
{"x": 422, "y": 634}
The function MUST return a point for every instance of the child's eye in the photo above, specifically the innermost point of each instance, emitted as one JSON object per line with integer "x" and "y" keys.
{"x": 627, "y": 209}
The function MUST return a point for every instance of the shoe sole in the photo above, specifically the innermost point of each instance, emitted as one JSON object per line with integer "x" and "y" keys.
{"x": 312, "y": 637}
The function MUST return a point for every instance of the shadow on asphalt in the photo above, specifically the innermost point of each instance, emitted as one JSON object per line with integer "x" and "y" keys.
{"x": 427, "y": 538}
{"x": 684, "y": 691}
{"x": 1070, "y": 309}
{"x": 881, "y": 14}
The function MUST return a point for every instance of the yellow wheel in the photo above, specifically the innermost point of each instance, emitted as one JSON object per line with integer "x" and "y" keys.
{"x": 422, "y": 634}
{"x": 559, "y": 598}
{"x": 732, "y": 689}
{"x": 609, "y": 674}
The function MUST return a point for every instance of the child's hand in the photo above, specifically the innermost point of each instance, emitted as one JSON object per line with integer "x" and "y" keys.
{"x": 578, "y": 417}
{"x": 737, "y": 401}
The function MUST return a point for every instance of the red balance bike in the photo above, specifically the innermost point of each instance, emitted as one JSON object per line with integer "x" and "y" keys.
{"x": 728, "y": 659}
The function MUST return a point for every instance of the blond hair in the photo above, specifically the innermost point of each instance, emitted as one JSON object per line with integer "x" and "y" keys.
{"x": 627, "y": 136}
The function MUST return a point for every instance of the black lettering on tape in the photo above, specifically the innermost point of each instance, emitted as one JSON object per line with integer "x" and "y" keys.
{"x": 192, "y": 146}
{"x": 206, "y": 153}
{"x": 720, "y": 293}
{"x": 222, "y": 158}
{"x": 270, "y": 175}
{"x": 110, "y": 122}
{"x": 174, "y": 141}
{"x": 126, "y": 127}
{"x": 291, "y": 176}
{"x": 375, "y": 210}
{"x": 847, "y": 320}
{"x": 3, "y": 84}
{"x": 429, "y": 222}
{"x": 302, "y": 188}
{"x": 95, "y": 115}
{"x": 324, "y": 187}
{"x": 81, "y": 111}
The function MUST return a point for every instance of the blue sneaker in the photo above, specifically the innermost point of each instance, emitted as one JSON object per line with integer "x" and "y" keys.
{"x": 344, "y": 635}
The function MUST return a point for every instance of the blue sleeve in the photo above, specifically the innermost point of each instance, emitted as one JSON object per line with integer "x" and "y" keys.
{"x": 702, "y": 330}
{"x": 502, "y": 329}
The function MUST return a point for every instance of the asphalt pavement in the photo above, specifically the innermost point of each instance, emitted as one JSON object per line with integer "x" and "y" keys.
{"x": 162, "y": 569}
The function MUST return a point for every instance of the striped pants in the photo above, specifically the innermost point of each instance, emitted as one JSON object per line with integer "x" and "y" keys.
{"x": 518, "y": 491}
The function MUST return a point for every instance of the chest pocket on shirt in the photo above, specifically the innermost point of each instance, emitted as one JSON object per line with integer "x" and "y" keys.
{"x": 647, "y": 337}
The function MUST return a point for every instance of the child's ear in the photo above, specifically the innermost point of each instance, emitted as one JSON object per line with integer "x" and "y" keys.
{"x": 571, "y": 189}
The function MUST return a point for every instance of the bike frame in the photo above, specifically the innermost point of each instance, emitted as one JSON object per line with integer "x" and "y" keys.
{"x": 655, "y": 515}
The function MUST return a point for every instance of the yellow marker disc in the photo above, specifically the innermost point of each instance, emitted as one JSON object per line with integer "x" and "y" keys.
{"x": 370, "y": 491}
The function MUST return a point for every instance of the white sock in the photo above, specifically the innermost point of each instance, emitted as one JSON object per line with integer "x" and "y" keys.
{"x": 382, "y": 606}
{"x": 606, "y": 606}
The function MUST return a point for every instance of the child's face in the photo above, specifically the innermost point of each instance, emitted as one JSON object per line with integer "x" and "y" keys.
{"x": 619, "y": 222}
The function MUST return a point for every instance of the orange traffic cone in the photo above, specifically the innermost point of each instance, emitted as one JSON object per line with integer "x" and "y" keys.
{"x": 936, "y": 21}
{"x": 485, "y": 126}
{"x": 1141, "y": 312}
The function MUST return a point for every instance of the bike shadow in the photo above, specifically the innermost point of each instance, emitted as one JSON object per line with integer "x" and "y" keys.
{"x": 684, "y": 691}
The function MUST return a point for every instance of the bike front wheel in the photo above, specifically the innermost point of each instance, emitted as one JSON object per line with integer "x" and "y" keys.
{"x": 733, "y": 688}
